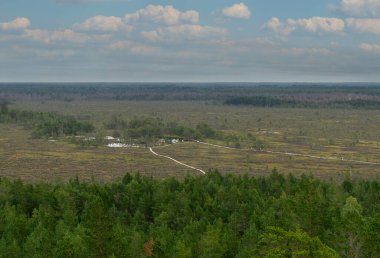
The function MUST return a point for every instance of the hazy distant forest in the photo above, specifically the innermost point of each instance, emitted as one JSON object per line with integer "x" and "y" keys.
{"x": 291, "y": 170}
{"x": 260, "y": 95}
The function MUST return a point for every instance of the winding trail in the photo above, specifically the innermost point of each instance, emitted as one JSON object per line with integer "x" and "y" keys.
{"x": 293, "y": 154}
{"x": 176, "y": 161}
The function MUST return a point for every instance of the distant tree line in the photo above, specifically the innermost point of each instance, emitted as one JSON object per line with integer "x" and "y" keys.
{"x": 210, "y": 92}
{"x": 44, "y": 124}
{"x": 152, "y": 128}
{"x": 208, "y": 216}
{"x": 260, "y": 101}
{"x": 271, "y": 101}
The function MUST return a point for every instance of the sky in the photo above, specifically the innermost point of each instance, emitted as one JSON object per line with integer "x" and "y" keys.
{"x": 190, "y": 41}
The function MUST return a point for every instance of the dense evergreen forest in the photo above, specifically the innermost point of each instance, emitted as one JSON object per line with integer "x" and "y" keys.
{"x": 209, "y": 216}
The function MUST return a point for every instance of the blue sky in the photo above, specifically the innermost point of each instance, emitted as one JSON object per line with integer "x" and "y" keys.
{"x": 197, "y": 40}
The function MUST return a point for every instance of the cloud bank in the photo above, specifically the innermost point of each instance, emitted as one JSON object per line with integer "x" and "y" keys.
{"x": 360, "y": 7}
{"x": 164, "y": 40}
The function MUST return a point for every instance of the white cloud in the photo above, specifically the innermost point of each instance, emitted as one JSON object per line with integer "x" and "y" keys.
{"x": 16, "y": 24}
{"x": 364, "y": 25}
{"x": 360, "y": 7}
{"x": 314, "y": 24}
{"x": 65, "y": 35}
{"x": 239, "y": 11}
{"x": 371, "y": 48}
{"x": 195, "y": 30}
{"x": 278, "y": 27}
{"x": 318, "y": 23}
{"x": 163, "y": 14}
{"x": 150, "y": 35}
{"x": 100, "y": 23}
{"x": 191, "y": 16}
{"x": 183, "y": 31}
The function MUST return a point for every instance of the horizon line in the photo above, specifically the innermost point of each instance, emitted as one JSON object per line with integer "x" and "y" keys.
{"x": 192, "y": 82}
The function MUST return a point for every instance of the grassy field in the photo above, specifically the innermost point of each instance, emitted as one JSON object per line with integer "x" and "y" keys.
{"x": 349, "y": 134}
{"x": 45, "y": 161}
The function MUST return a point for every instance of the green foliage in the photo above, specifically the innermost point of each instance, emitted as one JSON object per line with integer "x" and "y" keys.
{"x": 353, "y": 223}
{"x": 209, "y": 216}
{"x": 206, "y": 131}
{"x": 45, "y": 124}
{"x": 277, "y": 242}
{"x": 149, "y": 129}
{"x": 3, "y": 107}
{"x": 212, "y": 242}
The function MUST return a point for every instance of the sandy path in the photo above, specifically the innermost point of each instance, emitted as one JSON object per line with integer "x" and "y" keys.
{"x": 176, "y": 161}
{"x": 293, "y": 154}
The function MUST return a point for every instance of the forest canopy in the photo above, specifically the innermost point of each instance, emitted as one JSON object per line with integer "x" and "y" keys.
{"x": 209, "y": 216}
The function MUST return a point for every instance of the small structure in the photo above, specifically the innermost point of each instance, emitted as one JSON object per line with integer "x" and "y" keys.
{"x": 117, "y": 145}
{"x": 122, "y": 145}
